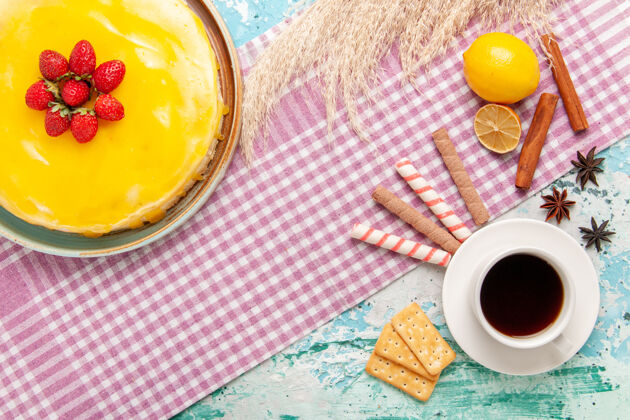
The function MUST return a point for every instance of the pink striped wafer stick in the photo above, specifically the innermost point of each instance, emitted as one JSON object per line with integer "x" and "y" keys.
{"x": 402, "y": 246}
{"x": 438, "y": 206}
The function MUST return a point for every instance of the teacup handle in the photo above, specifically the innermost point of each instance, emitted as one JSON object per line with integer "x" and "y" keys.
{"x": 562, "y": 344}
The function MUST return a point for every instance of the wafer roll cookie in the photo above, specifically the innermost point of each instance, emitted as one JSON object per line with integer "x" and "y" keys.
{"x": 410, "y": 215}
{"x": 456, "y": 168}
{"x": 436, "y": 204}
{"x": 402, "y": 246}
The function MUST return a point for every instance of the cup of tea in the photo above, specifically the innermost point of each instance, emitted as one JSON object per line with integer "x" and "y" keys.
{"x": 524, "y": 299}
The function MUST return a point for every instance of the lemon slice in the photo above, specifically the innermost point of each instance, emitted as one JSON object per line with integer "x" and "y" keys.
{"x": 498, "y": 128}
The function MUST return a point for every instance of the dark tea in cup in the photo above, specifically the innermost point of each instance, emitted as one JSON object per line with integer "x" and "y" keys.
{"x": 521, "y": 295}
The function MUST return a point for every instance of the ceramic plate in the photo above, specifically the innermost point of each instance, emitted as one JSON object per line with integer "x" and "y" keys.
{"x": 460, "y": 275}
{"x": 73, "y": 245}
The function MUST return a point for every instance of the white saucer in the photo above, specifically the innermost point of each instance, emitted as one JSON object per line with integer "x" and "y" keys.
{"x": 470, "y": 258}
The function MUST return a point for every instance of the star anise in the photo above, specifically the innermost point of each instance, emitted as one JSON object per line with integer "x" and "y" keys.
{"x": 597, "y": 234}
{"x": 557, "y": 205}
{"x": 587, "y": 166}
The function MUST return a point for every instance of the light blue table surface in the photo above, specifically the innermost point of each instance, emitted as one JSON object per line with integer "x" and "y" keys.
{"x": 322, "y": 375}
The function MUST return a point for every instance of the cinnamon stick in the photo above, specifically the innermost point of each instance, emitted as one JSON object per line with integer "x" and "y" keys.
{"x": 467, "y": 190}
{"x": 412, "y": 216}
{"x": 571, "y": 101}
{"x": 535, "y": 139}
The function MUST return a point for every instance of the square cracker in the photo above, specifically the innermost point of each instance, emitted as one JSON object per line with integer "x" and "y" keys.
{"x": 424, "y": 340}
{"x": 402, "y": 378}
{"x": 391, "y": 346}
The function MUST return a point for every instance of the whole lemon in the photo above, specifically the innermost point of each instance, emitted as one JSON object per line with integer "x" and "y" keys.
{"x": 501, "y": 68}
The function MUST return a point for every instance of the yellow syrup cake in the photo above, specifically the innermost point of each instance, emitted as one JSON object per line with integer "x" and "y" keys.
{"x": 136, "y": 168}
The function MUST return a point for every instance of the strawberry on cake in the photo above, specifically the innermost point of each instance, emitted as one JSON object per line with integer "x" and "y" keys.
{"x": 110, "y": 111}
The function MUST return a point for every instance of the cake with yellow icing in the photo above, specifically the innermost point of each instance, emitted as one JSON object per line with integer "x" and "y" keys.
{"x": 135, "y": 169}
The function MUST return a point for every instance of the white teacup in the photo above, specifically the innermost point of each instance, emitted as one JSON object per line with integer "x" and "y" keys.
{"x": 553, "y": 332}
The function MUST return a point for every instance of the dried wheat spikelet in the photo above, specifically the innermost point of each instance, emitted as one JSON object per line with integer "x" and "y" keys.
{"x": 344, "y": 41}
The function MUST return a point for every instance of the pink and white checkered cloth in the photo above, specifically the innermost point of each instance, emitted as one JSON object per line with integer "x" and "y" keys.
{"x": 269, "y": 258}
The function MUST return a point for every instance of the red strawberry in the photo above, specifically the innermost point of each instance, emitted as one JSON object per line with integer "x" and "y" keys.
{"x": 52, "y": 64}
{"x": 82, "y": 58}
{"x": 75, "y": 92}
{"x": 57, "y": 121}
{"x": 109, "y": 108}
{"x": 108, "y": 75}
{"x": 38, "y": 96}
{"x": 84, "y": 126}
